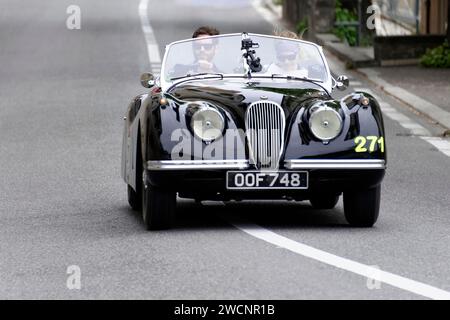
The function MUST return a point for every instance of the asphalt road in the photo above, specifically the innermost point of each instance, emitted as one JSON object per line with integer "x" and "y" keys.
{"x": 63, "y": 94}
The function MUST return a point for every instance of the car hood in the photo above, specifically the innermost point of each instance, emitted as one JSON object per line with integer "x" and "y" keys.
{"x": 239, "y": 93}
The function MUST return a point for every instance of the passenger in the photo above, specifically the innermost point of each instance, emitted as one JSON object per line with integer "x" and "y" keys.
{"x": 287, "y": 54}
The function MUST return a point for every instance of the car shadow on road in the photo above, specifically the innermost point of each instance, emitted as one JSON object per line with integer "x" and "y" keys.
{"x": 210, "y": 215}
{"x": 279, "y": 214}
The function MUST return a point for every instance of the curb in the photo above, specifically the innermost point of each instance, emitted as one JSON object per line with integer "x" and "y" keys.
{"x": 426, "y": 108}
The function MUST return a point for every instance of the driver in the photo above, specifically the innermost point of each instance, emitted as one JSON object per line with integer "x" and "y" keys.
{"x": 204, "y": 51}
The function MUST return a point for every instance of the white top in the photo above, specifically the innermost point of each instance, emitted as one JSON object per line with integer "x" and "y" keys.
{"x": 276, "y": 69}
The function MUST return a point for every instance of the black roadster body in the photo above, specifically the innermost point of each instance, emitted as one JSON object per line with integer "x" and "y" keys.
{"x": 249, "y": 133}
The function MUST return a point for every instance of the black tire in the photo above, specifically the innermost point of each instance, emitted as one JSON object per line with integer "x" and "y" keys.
{"x": 134, "y": 198}
{"x": 158, "y": 207}
{"x": 362, "y": 207}
{"x": 325, "y": 201}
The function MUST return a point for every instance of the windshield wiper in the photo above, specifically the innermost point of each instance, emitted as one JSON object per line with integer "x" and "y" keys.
{"x": 198, "y": 74}
{"x": 315, "y": 81}
{"x": 281, "y": 76}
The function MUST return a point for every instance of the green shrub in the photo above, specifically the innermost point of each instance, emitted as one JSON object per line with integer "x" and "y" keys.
{"x": 302, "y": 27}
{"x": 438, "y": 57}
{"x": 345, "y": 33}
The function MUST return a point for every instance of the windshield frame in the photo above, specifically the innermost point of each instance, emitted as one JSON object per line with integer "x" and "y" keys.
{"x": 165, "y": 85}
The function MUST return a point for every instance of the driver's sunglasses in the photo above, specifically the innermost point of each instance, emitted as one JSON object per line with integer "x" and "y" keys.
{"x": 205, "y": 46}
{"x": 287, "y": 57}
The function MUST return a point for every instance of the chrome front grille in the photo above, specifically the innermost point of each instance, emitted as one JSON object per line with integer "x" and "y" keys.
{"x": 265, "y": 123}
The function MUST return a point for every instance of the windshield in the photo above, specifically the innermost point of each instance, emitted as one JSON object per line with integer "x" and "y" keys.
{"x": 222, "y": 54}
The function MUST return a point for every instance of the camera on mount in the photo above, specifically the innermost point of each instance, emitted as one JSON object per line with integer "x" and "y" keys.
{"x": 253, "y": 62}
{"x": 248, "y": 44}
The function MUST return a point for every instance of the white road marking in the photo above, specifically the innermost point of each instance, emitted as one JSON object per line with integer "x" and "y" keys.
{"x": 441, "y": 144}
{"x": 385, "y": 106}
{"x": 364, "y": 270}
{"x": 152, "y": 46}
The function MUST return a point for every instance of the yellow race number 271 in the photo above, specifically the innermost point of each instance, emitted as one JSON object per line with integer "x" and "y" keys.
{"x": 364, "y": 144}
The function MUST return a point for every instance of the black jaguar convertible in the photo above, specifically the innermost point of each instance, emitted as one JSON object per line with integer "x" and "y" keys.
{"x": 247, "y": 116}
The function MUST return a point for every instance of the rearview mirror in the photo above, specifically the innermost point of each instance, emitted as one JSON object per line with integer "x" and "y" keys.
{"x": 342, "y": 83}
{"x": 147, "y": 80}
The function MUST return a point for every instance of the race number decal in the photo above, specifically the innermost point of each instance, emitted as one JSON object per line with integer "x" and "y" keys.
{"x": 368, "y": 144}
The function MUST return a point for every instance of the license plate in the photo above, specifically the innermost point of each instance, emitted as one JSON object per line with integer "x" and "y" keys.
{"x": 267, "y": 180}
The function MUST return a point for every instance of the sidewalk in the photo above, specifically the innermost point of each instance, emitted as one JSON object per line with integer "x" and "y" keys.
{"x": 429, "y": 84}
{"x": 425, "y": 90}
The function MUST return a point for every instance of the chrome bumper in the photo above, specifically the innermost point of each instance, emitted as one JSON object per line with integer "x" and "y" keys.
{"x": 335, "y": 164}
{"x": 197, "y": 164}
{"x": 162, "y": 165}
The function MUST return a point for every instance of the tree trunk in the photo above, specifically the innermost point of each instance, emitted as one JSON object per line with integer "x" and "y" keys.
{"x": 322, "y": 15}
{"x": 448, "y": 21}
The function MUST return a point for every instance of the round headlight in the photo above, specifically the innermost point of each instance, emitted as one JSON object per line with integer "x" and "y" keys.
{"x": 325, "y": 123}
{"x": 207, "y": 123}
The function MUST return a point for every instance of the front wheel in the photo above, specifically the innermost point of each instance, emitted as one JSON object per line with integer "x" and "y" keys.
{"x": 362, "y": 207}
{"x": 158, "y": 207}
{"x": 134, "y": 198}
{"x": 324, "y": 201}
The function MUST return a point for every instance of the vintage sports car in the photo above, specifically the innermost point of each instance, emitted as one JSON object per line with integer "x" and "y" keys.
{"x": 248, "y": 116}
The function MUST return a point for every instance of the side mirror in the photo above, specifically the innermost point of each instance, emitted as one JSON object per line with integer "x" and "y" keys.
{"x": 342, "y": 83}
{"x": 147, "y": 80}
